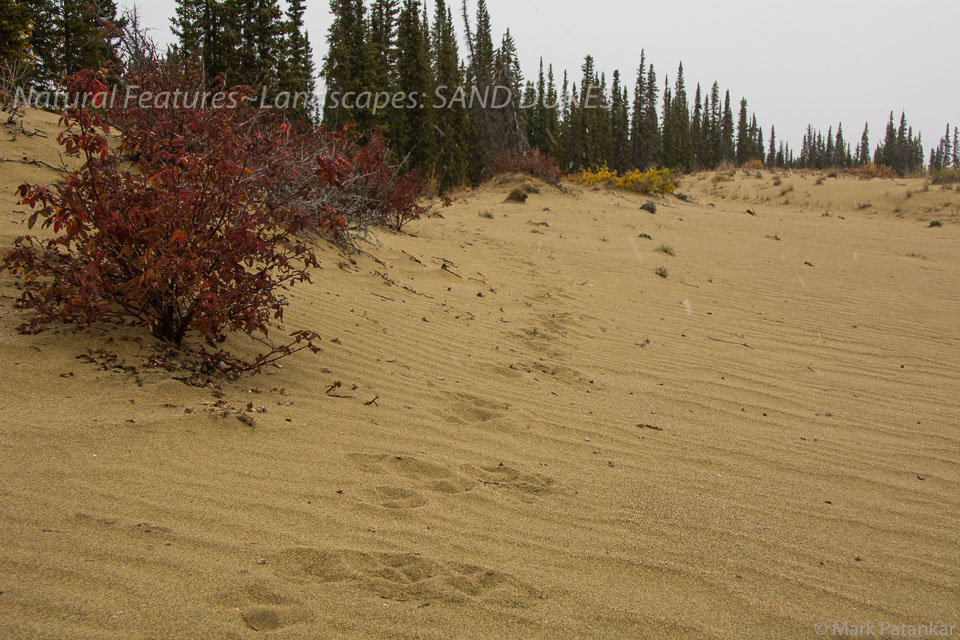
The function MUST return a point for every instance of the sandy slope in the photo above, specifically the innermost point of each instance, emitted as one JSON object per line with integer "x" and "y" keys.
{"x": 803, "y": 469}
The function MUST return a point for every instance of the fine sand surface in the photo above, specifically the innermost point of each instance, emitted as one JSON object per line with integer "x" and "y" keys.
{"x": 563, "y": 444}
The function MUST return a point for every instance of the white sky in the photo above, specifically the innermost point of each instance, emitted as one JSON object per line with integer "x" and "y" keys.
{"x": 798, "y": 62}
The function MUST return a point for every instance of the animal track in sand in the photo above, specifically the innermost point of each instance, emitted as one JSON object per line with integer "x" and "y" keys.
{"x": 397, "y": 497}
{"x": 511, "y": 478}
{"x": 469, "y": 408}
{"x": 428, "y": 477}
{"x": 511, "y": 371}
{"x": 424, "y": 477}
{"x": 558, "y": 371}
{"x": 409, "y": 467}
{"x": 261, "y": 607}
{"x": 400, "y": 576}
{"x": 137, "y": 527}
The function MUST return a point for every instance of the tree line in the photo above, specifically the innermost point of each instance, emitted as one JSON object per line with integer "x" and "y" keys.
{"x": 900, "y": 149}
{"x": 393, "y": 46}
{"x": 390, "y": 46}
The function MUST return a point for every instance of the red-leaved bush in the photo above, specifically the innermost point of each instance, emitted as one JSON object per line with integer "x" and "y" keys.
{"x": 360, "y": 180}
{"x": 364, "y": 184}
{"x": 199, "y": 216}
{"x": 531, "y": 162}
{"x": 347, "y": 173}
{"x": 192, "y": 236}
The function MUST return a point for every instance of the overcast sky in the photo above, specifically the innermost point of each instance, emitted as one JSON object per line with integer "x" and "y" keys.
{"x": 805, "y": 61}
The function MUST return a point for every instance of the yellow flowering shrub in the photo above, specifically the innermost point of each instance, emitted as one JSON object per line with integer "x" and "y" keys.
{"x": 652, "y": 181}
{"x": 593, "y": 177}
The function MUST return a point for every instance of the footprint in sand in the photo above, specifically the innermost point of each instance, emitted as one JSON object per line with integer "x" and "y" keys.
{"x": 397, "y": 497}
{"x": 509, "y": 478}
{"x": 519, "y": 368}
{"x": 260, "y": 606}
{"x": 401, "y": 576}
{"x": 560, "y": 372}
{"x": 468, "y": 408}
{"x": 415, "y": 480}
{"x": 409, "y": 467}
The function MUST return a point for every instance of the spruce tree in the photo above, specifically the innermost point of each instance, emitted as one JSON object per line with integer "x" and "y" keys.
{"x": 261, "y": 32}
{"x": 955, "y": 160}
{"x": 414, "y": 131}
{"x": 706, "y": 134}
{"x": 551, "y": 123}
{"x": 678, "y": 148}
{"x": 758, "y": 142}
{"x": 451, "y": 118}
{"x": 44, "y": 39}
{"x": 346, "y": 65}
{"x": 619, "y": 126}
{"x": 840, "y": 147}
{"x": 772, "y": 152}
{"x": 242, "y": 22}
{"x": 484, "y": 51}
{"x": 573, "y": 143}
{"x": 650, "y": 150}
{"x": 509, "y": 119}
{"x": 295, "y": 68}
{"x": 696, "y": 131}
{"x": 508, "y": 62}
{"x": 830, "y": 158}
{"x": 530, "y": 113}
{"x": 189, "y": 26}
{"x": 210, "y": 32}
{"x": 479, "y": 81}
{"x": 666, "y": 131}
{"x": 902, "y": 151}
{"x": 270, "y": 33}
{"x": 888, "y": 151}
{"x": 588, "y": 153}
{"x": 624, "y": 127}
{"x": 84, "y": 35}
{"x": 743, "y": 134}
{"x": 947, "y": 148}
{"x": 942, "y": 156}
{"x": 382, "y": 36}
{"x": 604, "y": 136}
{"x": 727, "y": 148}
{"x": 637, "y": 113}
{"x": 225, "y": 51}
{"x": 863, "y": 153}
{"x": 382, "y": 58}
{"x": 562, "y": 149}
{"x": 533, "y": 108}
{"x": 717, "y": 150}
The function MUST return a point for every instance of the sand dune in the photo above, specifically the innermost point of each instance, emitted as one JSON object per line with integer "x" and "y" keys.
{"x": 562, "y": 443}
